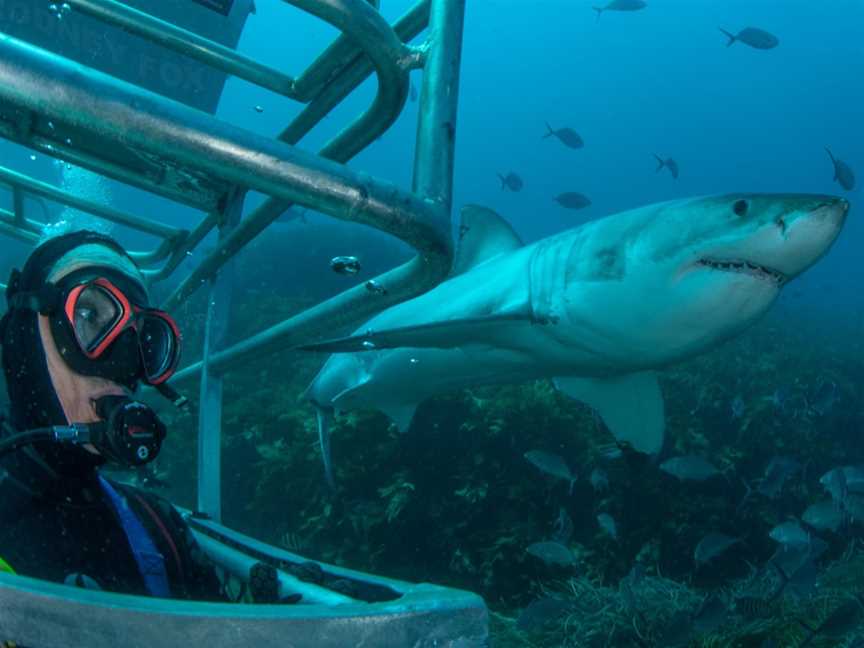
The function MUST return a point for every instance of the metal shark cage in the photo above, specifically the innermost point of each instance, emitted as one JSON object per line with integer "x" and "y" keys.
{"x": 144, "y": 117}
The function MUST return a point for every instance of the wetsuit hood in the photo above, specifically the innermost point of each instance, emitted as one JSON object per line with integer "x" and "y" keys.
{"x": 33, "y": 401}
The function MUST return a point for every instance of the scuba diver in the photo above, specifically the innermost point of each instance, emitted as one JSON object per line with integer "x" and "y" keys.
{"x": 78, "y": 338}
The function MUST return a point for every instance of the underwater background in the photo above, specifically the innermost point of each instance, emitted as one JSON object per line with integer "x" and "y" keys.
{"x": 455, "y": 501}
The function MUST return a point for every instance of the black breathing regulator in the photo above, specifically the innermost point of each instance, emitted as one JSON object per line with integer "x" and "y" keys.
{"x": 129, "y": 434}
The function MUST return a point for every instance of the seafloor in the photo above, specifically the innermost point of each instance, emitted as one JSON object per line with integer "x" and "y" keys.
{"x": 455, "y": 502}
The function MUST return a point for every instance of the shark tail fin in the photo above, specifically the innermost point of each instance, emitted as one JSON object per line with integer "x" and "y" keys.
{"x": 551, "y": 131}
{"x": 660, "y": 162}
{"x": 732, "y": 38}
{"x": 599, "y": 11}
{"x": 325, "y": 419}
{"x": 503, "y": 181}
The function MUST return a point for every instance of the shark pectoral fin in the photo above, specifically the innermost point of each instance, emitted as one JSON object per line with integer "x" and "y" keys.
{"x": 446, "y": 334}
{"x": 630, "y": 405}
{"x": 401, "y": 415}
{"x": 483, "y": 235}
{"x": 325, "y": 419}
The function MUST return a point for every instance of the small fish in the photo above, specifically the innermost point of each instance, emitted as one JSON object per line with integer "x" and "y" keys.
{"x": 789, "y": 559}
{"x": 607, "y": 523}
{"x": 778, "y": 471}
{"x": 711, "y": 546}
{"x": 572, "y": 200}
{"x": 562, "y": 529}
{"x": 669, "y": 163}
{"x": 552, "y": 553}
{"x": 375, "y": 288}
{"x": 541, "y": 612}
{"x": 551, "y": 464}
{"x": 621, "y": 5}
{"x": 412, "y": 93}
{"x": 689, "y": 468}
{"x": 842, "y": 172}
{"x": 790, "y": 533}
{"x": 599, "y": 480}
{"x": 567, "y": 136}
{"x": 511, "y": 181}
{"x": 834, "y": 481}
{"x": 345, "y": 265}
{"x": 737, "y": 407}
{"x": 823, "y": 516}
{"x": 754, "y": 37}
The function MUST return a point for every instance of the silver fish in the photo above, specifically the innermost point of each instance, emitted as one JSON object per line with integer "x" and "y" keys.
{"x": 567, "y": 136}
{"x": 668, "y": 163}
{"x": 834, "y": 481}
{"x": 552, "y": 553}
{"x": 842, "y": 172}
{"x": 621, "y": 5}
{"x": 599, "y": 480}
{"x": 573, "y": 200}
{"x": 607, "y": 523}
{"x": 754, "y": 37}
{"x": 823, "y": 516}
{"x": 551, "y": 464}
{"x": 711, "y": 546}
{"x": 689, "y": 468}
{"x": 790, "y": 533}
{"x": 511, "y": 181}
{"x": 778, "y": 471}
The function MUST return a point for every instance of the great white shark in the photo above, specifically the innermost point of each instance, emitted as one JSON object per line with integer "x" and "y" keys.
{"x": 597, "y": 309}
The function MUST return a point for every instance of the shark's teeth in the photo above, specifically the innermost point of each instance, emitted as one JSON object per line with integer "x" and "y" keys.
{"x": 746, "y": 267}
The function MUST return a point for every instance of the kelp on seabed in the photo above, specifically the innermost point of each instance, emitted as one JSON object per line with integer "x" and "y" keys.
{"x": 454, "y": 501}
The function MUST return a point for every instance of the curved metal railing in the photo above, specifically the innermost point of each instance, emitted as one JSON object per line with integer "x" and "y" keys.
{"x": 81, "y": 115}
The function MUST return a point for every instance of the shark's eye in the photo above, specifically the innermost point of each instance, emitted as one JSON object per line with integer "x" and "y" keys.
{"x": 740, "y": 207}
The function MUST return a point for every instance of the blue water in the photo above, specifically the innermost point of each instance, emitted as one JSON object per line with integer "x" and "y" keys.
{"x": 631, "y": 84}
{"x": 659, "y": 81}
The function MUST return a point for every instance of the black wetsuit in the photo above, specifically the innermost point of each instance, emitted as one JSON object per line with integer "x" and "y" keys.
{"x": 68, "y": 531}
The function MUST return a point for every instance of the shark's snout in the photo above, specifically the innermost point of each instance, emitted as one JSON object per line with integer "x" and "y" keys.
{"x": 811, "y": 235}
{"x": 833, "y": 211}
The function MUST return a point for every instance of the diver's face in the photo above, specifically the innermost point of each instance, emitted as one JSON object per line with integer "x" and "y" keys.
{"x": 77, "y": 394}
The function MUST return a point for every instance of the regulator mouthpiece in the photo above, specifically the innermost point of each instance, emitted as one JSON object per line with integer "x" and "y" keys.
{"x": 129, "y": 433}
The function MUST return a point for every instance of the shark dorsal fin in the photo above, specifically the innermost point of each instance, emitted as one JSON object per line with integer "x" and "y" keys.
{"x": 483, "y": 234}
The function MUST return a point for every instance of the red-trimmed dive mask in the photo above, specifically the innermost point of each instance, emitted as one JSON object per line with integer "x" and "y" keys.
{"x": 102, "y": 327}
{"x": 100, "y": 315}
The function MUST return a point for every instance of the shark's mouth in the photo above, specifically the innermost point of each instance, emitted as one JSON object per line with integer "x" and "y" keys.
{"x": 745, "y": 267}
